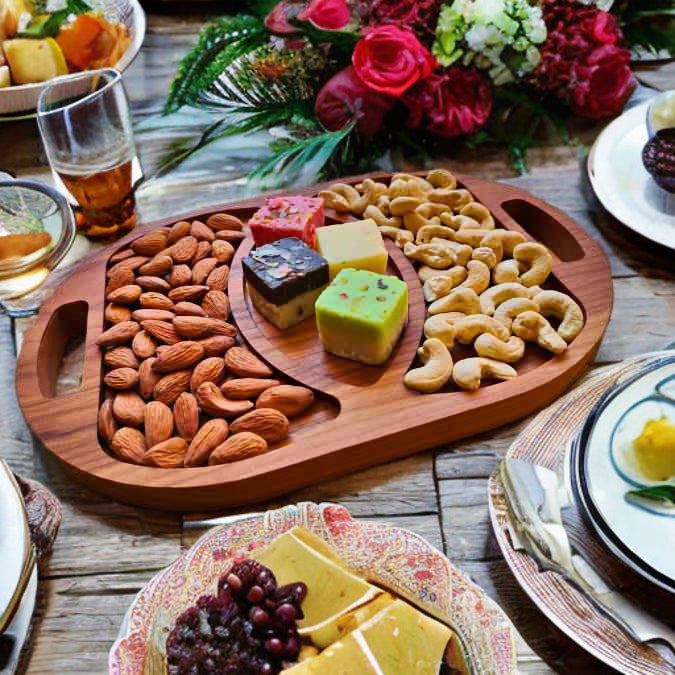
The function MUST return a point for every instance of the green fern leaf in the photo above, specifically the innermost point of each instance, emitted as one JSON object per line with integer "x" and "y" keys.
{"x": 220, "y": 44}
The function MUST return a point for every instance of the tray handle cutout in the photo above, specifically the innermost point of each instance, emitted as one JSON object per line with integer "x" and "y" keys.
{"x": 544, "y": 227}
{"x": 66, "y": 329}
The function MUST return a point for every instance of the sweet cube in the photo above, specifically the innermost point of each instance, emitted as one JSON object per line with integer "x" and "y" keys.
{"x": 357, "y": 245}
{"x": 284, "y": 279}
{"x": 287, "y": 217}
{"x": 361, "y": 315}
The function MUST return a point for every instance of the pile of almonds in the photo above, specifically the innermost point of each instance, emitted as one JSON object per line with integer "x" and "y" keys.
{"x": 179, "y": 390}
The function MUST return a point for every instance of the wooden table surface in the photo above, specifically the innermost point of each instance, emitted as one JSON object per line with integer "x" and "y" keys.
{"x": 105, "y": 552}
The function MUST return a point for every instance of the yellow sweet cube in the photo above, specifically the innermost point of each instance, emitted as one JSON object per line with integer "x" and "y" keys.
{"x": 356, "y": 245}
{"x": 34, "y": 60}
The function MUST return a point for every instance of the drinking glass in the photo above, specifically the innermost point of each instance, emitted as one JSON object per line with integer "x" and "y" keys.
{"x": 86, "y": 129}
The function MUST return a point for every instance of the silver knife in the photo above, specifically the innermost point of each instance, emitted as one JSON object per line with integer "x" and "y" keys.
{"x": 534, "y": 495}
{"x": 17, "y": 632}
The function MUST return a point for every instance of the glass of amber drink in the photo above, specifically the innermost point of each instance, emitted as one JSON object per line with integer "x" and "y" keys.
{"x": 86, "y": 128}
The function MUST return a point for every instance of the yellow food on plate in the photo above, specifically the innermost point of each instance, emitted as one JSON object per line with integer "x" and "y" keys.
{"x": 654, "y": 450}
{"x": 5, "y": 80}
{"x": 34, "y": 60}
{"x": 10, "y": 13}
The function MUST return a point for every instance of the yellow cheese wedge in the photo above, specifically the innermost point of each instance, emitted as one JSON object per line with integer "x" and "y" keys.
{"x": 318, "y": 544}
{"x": 34, "y": 60}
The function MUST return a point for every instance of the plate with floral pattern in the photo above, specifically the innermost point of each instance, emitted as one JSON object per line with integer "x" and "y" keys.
{"x": 394, "y": 558}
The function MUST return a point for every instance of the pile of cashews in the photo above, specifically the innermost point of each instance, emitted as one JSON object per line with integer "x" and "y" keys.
{"x": 482, "y": 283}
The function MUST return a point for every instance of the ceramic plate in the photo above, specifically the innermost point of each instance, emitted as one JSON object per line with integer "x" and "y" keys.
{"x": 604, "y": 470}
{"x": 623, "y": 185}
{"x": 394, "y": 558}
{"x": 16, "y": 551}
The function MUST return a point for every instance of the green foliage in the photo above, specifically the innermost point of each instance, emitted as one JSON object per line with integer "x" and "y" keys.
{"x": 663, "y": 494}
{"x": 49, "y": 25}
{"x": 648, "y": 24}
{"x": 220, "y": 44}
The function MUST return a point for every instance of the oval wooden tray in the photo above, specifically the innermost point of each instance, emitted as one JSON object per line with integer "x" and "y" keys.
{"x": 364, "y": 416}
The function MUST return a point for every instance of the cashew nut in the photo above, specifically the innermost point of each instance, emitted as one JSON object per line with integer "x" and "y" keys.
{"x": 374, "y": 212}
{"x": 436, "y": 370}
{"x": 538, "y": 261}
{"x": 403, "y": 185}
{"x": 458, "y": 300}
{"x": 434, "y": 255}
{"x": 470, "y": 236}
{"x": 401, "y": 237}
{"x": 344, "y": 199}
{"x": 442, "y": 178}
{"x": 439, "y": 327}
{"x": 441, "y": 284}
{"x": 415, "y": 221}
{"x": 382, "y": 203}
{"x": 453, "y": 197}
{"x": 509, "y": 309}
{"x": 468, "y": 373}
{"x": 478, "y": 278}
{"x": 479, "y": 213}
{"x": 457, "y": 222}
{"x": 561, "y": 306}
{"x": 431, "y": 209}
{"x": 509, "y": 239}
{"x": 485, "y": 255}
{"x": 470, "y": 327}
{"x": 505, "y": 271}
{"x": 494, "y": 243}
{"x": 399, "y": 206}
{"x": 462, "y": 251}
{"x": 491, "y": 347}
{"x": 414, "y": 182}
{"x": 427, "y": 232}
{"x": 492, "y": 297}
{"x": 425, "y": 273}
{"x": 533, "y": 327}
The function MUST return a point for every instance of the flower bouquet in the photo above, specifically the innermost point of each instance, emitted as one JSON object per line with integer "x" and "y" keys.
{"x": 338, "y": 83}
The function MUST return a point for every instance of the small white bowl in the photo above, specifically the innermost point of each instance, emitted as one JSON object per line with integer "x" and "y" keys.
{"x": 661, "y": 112}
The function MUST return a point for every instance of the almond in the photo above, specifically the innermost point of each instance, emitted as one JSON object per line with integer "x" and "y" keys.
{"x": 163, "y": 331}
{"x": 122, "y": 277}
{"x": 121, "y": 378}
{"x": 153, "y": 300}
{"x": 157, "y": 267}
{"x": 202, "y": 270}
{"x": 224, "y": 221}
{"x": 188, "y": 309}
{"x": 151, "y": 243}
{"x": 132, "y": 263}
{"x": 126, "y": 295}
{"x": 178, "y": 357}
{"x": 212, "y": 434}
{"x": 120, "y": 255}
{"x": 180, "y": 276}
{"x": 129, "y": 444}
{"x": 188, "y": 293}
{"x": 178, "y": 231}
{"x": 242, "y": 362}
{"x": 107, "y": 426}
{"x": 201, "y": 231}
{"x": 142, "y": 315}
{"x": 217, "y": 345}
{"x": 286, "y": 398}
{"x": 271, "y": 424}
{"x": 143, "y": 345}
{"x": 128, "y": 408}
{"x": 120, "y": 334}
{"x": 184, "y": 249}
{"x": 217, "y": 280}
{"x": 238, "y": 446}
{"x": 169, "y": 454}
{"x": 211, "y": 369}
{"x": 231, "y": 236}
{"x": 158, "y": 423}
{"x": 116, "y": 313}
{"x": 247, "y": 387}
{"x": 202, "y": 326}
{"x": 148, "y": 378}
{"x": 216, "y": 305}
{"x": 203, "y": 251}
{"x": 156, "y": 284}
{"x": 120, "y": 357}
{"x": 186, "y": 415}
{"x": 171, "y": 386}
{"x": 212, "y": 401}
{"x": 222, "y": 251}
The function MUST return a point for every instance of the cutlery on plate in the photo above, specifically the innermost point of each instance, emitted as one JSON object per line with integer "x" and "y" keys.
{"x": 534, "y": 495}
{"x": 14, "y": 638}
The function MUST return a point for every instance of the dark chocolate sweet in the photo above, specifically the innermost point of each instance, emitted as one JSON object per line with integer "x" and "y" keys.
{"x": 658, "y": 156}
{"x": 284, "y": 269}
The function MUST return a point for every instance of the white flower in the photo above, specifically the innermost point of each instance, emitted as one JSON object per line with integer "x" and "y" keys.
{"x": 55, "y": 6}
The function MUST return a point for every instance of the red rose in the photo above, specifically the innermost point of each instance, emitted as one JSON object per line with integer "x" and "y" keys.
{"x": 453, "y": 102}
{"x": 391, "y": 59}
{"x": 345, "y": 98}
{"x": 327, "y": 14}
{"x": 278, "y": 20}
{"x": 418, "y": 15}
{"x": 606, "y": 29}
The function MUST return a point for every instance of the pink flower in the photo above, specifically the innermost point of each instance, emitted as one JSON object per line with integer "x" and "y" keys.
{"x": 278, "y": 20}
{"x": 390, "y": 59}
{"x": 450, "y": 103}
{"x": 345, "y": 98}
{"x": 327, "y": 14}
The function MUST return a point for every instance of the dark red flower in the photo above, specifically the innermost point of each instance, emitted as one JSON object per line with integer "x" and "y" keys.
{"x": 345, "y": 98}
{"x": 418, "y": 15}
{"x": 450, "y": 103}
{"x": 390, "y": 59}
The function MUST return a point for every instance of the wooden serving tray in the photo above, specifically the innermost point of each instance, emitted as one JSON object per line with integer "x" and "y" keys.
{"x": 364, "y": 415}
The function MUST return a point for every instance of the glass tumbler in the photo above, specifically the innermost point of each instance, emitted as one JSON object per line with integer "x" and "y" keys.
{"x": 86, "y": 128}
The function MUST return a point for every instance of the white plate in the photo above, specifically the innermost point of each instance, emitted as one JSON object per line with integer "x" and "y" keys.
{"x": 642, "y": 538}
{"x": 23, "y": 98}
{"x": 16, "y": 551}
{"x": 623, "y": 185}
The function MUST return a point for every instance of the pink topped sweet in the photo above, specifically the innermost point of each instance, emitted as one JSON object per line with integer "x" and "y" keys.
{"x": 287, "y": 217}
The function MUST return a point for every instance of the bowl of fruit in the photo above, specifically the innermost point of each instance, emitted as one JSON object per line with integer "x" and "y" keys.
{"x": 43, "y": 39}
